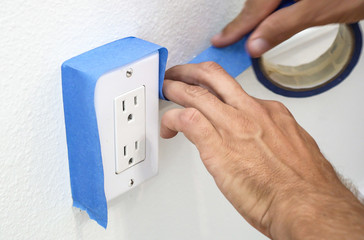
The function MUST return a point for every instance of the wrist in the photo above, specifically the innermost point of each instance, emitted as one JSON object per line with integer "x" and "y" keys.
{"x": 309, "y": 214}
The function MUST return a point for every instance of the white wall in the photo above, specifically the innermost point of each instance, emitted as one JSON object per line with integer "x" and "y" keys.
{"x": 182, "y": 202}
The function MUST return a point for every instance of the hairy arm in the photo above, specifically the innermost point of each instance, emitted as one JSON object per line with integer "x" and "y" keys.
{"x": 266, "y": 165}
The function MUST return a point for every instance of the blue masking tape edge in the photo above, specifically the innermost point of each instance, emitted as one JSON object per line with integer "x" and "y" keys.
{"x": 234, "y": 58}
{"x": 307, "y": 93}
{"x": 79, "y": 77}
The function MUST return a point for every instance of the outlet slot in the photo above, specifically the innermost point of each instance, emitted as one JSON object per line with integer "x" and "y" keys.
{"x": 129, "y": 129}
{"x": 130, "y": 117}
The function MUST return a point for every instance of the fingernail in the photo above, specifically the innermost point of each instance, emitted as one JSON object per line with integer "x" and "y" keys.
{"x": 258, "y": 46}
{"x": 217, "y": 37}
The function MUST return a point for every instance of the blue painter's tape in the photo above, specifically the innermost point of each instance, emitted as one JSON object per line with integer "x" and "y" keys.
{"x": 234, "y": 59}
{"x": 79, "y": 77}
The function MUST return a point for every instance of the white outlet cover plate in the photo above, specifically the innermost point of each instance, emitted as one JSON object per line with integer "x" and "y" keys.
{"x": 145, "y": 72}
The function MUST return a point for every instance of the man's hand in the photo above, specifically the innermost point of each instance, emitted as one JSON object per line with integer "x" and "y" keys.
{"x": 274, "y": 28}
{"x": 266, "y": 165}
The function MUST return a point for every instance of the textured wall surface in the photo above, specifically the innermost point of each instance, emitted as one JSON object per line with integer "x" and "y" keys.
{"x": 182, "y": 202}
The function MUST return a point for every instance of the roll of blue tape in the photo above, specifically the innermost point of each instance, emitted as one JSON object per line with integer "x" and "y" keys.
{"x": 350, "y": 35}
{"x": 234, "y": 59}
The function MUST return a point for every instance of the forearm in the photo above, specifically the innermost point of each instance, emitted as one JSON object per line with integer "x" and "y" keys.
{"x": 314, "y": 215}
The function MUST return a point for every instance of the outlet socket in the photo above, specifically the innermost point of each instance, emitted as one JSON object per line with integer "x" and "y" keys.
{"x": 124, "y": 121}
{"x": 129, "y": 110}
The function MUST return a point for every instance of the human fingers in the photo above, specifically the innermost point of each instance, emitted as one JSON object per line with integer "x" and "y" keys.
{"x": 194, "y": 126}
{"x": 197, "y": 97}
{"x": 252, "y": 14}
{"x": 278, "y": 27}
{"x": 211, "y": 76}
{"x": 286, "y": 22}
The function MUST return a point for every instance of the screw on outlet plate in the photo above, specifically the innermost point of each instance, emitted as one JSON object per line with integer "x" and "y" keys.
{"x": 131, "y": 182}
{"x": 129, "y": 72}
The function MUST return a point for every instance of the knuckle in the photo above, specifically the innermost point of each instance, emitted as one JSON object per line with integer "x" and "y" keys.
{"x": 278, "y": 105}
{"x": 281, "y": 108}
{"x": 281, "y": 115}
{"x": 212, "y": 99}
{"x": 190, "y": 116}
{"x": 196, "y": 91}
{"x": 258, "y": 108}
{"x": 205, "y": 133}
{"x": 210, "y": 66}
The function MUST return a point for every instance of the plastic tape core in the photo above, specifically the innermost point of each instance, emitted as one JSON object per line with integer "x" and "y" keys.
{"x": 319, "y": 72}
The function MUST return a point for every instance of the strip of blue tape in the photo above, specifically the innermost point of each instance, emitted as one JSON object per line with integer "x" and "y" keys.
{"x": 79, "y": 77}
{"x": 234, "y": 59}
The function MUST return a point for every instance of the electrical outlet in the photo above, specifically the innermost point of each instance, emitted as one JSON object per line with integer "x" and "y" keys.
{"x": 126, "y": 104}
{"x": 129, "y": 110}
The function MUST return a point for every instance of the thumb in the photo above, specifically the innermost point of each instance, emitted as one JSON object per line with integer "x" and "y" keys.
{"x": 278, "y": 27}
{"x": 252, "y": 14}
